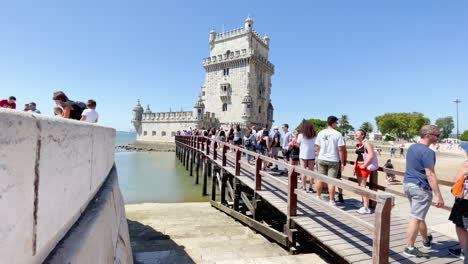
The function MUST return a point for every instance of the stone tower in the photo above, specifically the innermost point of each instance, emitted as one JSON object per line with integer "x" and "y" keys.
{"x": 238, "y": 77}
{"x": 137, "y": 117}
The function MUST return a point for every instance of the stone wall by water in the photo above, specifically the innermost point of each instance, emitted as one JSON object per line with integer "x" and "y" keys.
{"x": 50, "y": 169}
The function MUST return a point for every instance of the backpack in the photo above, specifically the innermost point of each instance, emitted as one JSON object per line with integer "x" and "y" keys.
{"x": 374, "y": 165}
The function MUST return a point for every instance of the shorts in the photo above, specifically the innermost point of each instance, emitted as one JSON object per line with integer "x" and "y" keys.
{"x": 238, "y": 142}
{"x": 361, "y": 172}
{"x": 275, "y": 151}
{"x": 328, "y": 168}
{"x": 286, "y": 153}
{"x": 420, "y": 200}
{"x": 459, "y": 214}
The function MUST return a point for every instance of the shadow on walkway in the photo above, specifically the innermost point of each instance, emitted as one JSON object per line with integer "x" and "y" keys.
{"x": 151, "y": 246}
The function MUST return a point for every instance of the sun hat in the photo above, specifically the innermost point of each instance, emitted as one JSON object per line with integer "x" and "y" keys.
{"x": 275, "y": 127}
{"x": 464, "y": 146}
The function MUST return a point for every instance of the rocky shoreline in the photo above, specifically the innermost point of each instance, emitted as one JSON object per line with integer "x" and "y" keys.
{"x": 146, "y": 147}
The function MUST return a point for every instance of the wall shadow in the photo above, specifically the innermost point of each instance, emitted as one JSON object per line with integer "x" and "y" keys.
{"x": 152, "y": 246}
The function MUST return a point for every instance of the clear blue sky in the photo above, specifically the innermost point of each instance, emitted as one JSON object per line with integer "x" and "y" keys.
{"x": 360, "y": 58}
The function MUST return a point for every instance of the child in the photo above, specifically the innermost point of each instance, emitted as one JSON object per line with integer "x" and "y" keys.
{"x": 58, "y": 112}
{"x": 89, "y": 114}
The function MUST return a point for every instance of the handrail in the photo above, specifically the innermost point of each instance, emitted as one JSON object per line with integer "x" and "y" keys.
{"x": 381, "y": 226}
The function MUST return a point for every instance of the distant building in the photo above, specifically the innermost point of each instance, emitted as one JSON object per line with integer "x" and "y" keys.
{"x": 236, "y": 90}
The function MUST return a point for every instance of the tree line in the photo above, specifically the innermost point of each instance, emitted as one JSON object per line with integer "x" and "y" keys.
{"x": 395, "y": 125}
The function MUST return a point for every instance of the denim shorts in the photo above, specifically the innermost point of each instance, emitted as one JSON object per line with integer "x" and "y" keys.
{"x": 420, "y": 200}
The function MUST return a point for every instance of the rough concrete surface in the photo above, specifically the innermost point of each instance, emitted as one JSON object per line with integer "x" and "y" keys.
{"x": 198, "y": 233}
{"x": 50, "y": 168}
{"x": 101, "y": 233}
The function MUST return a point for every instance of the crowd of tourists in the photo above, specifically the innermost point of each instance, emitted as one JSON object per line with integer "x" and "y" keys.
{"x": 66, "y": 108}
{"x": 326, "y": 153}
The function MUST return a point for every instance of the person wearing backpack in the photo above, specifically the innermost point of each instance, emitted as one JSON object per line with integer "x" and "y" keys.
{"x": 249, "y": 143}
{"x": 365, "y": 156}
{"x": 71, "y": 109}
{"x": 459, "y": 214}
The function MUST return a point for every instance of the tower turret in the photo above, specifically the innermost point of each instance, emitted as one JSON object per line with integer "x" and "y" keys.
{"x": 212, "y": 38}
{"x": 199, "y": 109}
{"x": 248, "y": 23}
{"x": 137, "y": 117}
{"x": 247, "y": 103}
{"x": 267, "y": 40}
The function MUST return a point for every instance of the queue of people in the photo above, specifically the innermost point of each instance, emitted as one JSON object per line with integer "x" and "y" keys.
{"x": 66, "y": 108}
{"x": 326, "y": 153}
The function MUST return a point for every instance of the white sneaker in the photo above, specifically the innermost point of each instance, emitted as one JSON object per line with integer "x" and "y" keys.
{"x": 318, "y": 198}
{"x": 363, "y": 210}
{"x": 386, "y": 181}
{"x": 332, "y": 203}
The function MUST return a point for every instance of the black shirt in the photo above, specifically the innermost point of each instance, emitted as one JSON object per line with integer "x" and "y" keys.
{"x": 77, "y": 109}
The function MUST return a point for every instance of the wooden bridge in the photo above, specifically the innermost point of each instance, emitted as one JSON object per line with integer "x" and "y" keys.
{"x": 272, "y": 205}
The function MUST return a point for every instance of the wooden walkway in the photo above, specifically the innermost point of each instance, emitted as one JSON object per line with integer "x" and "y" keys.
{"x": 349, "y": 236}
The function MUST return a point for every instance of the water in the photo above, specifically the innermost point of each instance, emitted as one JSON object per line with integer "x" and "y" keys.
{"x": 124, "y": 138}
{"x": 154, "y": 177}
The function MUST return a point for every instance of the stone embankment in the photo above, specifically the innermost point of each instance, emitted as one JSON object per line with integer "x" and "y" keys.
{"x": 148, "y": 147}
{"x": 198, "y": 233}
{"x": 51, "y": 169}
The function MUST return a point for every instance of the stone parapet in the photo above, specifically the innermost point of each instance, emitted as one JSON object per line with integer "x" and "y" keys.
{"x": 50, "y": 169}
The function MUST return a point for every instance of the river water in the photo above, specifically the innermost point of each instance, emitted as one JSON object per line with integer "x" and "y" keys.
{"x": 153, "y": 176}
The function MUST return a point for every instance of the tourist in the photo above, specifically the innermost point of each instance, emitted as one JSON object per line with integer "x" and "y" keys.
{"x": 259, "y": 136}
{"x": 58, "y": 112}
{"x": 71, "y": 109}
{"x": 402, "y": 151}
{"x": 212, "y": 133}
{"x": 26, "y": 107}
{"x": 230, "y": 136}
{"x": 287, "y": 137}
{"x": 237, "y": 136}
{"x": 33, "y": 109}
{"x": 459, "y": 214}
{"x": 222, "y": 136}
{"x": 275, "y": 145}
{"x": 10, "y": 103}
{"x": 265, "y": 143}
{"x": 419, "y": 183}
{"x": 390, "y": 176}
{"x": 392, "y": 151}
{"x": 363, "y": 147}
{"x": 89, "y": 114}
{"x": 249, "y": 143}
{"x": 306, "y": 142}
{"x": 332, "y": 149}
{"x": 254, "y": 131}
{"x": 294, "y": 149}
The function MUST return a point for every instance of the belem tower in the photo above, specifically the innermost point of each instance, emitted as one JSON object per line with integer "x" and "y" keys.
{"x": 237, "y": 89}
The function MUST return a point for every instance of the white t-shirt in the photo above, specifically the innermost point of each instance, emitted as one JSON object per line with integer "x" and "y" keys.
{"x": 286, "y": 139}
{"x": 329, "y": 140}
{"x": 307, "y": 147}
{"x": 91, "y": 115}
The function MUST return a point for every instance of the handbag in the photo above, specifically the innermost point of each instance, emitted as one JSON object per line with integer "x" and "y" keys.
{"x": 460, "y": 188}
{"x": 374, "y": 165}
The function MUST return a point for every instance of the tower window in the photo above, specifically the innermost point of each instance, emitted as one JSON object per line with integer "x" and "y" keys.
{"x": 154, "y": 133}
{"x": 259, "y": 109}
{"x": 226, "y": 71}
{"x": 203, "y": 93}
{"x": 224, "y": 107}
{"x": 163, "y": 133}
{"x": 145, "y": 133}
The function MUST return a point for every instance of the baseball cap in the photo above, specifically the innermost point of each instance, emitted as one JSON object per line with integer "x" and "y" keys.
{"x": 464, "y": 146}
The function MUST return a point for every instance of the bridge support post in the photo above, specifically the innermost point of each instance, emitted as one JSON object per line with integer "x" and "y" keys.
{"x": 237, "y": 193}
{"x": 191, "y": 161}
{"x": 187, "y": 158}
{"x": 213, "y": 182}
{"x": 205, "y": 176}
{"x": 182, "y": 156}
{"x": 197, "y": 168}
{"x": 292, "y": 233}
{"x": 373, "y": 182}
{"x": 223, "y": 177}
{"x": 381, "y": 240}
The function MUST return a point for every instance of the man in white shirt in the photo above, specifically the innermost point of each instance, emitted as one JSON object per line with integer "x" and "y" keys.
{"x": 287, "y": 137}
{"x": 89, "y": 114}
{"x": 332, "y": 149}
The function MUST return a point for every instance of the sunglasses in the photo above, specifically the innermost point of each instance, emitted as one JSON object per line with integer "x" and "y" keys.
{"x": 436, "y": 135}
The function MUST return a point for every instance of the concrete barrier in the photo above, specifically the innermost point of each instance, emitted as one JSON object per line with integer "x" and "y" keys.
{"x": 50, "y": 168}
{"x": 101, "y": 233}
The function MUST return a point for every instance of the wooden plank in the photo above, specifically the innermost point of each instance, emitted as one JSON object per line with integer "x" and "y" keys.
{"x": 267, "y": 231}
{"x": 382, "y": 232}
{"x": 292, "y": 197}
{"x": 247, "y": 202}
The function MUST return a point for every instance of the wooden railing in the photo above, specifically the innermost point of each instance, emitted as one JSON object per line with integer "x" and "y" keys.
{"x": 381, "y": 227}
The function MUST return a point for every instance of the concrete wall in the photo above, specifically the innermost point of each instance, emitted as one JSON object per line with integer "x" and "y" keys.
{"x": 101, "y": 233}
{"x": 50, "y": 168}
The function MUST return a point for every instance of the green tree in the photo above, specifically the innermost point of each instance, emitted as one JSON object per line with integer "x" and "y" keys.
{"x": 464, "y": 136}
{"x": 401, "y": 125}
{"x": 344, "y": 126}
{"x": 368, "y": 127}
{"x": 318, "y": 124}
{"x": 445, "y": 125}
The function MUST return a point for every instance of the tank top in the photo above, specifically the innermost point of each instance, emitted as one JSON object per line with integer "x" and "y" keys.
{"x": 360, "y": 153}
